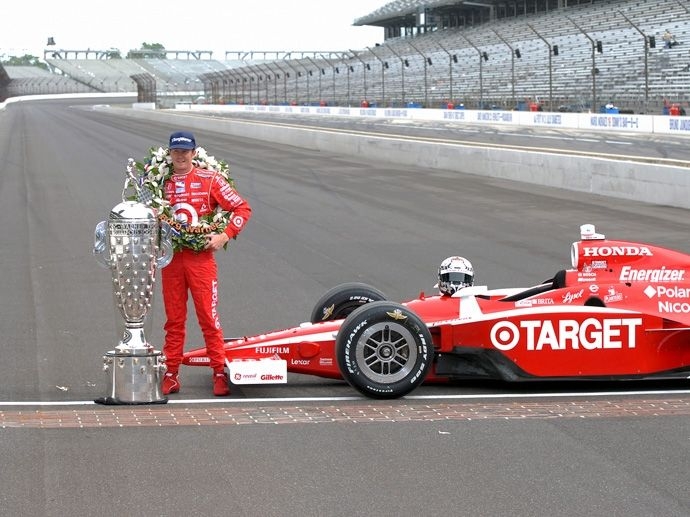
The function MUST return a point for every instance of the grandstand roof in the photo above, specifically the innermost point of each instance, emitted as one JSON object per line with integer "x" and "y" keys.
{"x": 404, "y": 8}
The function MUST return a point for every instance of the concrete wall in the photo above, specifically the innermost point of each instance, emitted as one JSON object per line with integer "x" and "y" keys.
{"x": 651, "y": 183}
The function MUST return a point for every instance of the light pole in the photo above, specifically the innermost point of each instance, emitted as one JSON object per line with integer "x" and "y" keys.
{"x": 294, "y": 71}
{"x": 646, "y": 57}
{"x": 403, "y": 64}
{"x": 267, "y": 77}
{"x": 483, "y": 56}
{"x": 452, "y": 58}
{"x": 426, "y": 60}
{"x": 334, "y": 71}
{"x": 594, "y": 64}
{"x": 364, "y": 68}
{"x": 513, "y": 54}
{"x": 307, "y": 74}
{"x": 550, "y": 47}
{"x": 349, "y": 69}
{"x": 384, "y": 65}
{"x": 319, "y": 72}
{"x": 257, "y": 75}
{"x": 233, "y": 81}
{"x": 285, "y": 76}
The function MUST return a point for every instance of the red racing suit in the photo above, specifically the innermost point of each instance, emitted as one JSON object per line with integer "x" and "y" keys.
{"x": 194, "y": 195}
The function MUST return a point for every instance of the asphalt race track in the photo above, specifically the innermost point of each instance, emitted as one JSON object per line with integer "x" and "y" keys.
{"x": 312, "y": 447}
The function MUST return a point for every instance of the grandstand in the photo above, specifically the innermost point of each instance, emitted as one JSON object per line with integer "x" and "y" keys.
{"x": 558, "y": 54}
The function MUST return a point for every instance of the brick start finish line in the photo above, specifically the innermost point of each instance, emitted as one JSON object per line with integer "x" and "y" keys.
{"x": 167, "y": 416}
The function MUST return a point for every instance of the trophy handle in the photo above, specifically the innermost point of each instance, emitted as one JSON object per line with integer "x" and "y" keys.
{"x": 166, "y": 245}
{"x": 100, "y": 243}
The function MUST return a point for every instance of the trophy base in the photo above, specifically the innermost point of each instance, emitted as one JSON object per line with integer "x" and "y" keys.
{"x": 134, "y": 377}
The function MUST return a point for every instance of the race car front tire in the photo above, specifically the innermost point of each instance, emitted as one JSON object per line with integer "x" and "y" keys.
{"x": 338, "y": 302}
{"x": 384, "y": 350}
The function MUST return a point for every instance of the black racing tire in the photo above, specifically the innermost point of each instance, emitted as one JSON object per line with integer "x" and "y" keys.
{"x": 384, "y": 350}
{"x": 338, "y": 302}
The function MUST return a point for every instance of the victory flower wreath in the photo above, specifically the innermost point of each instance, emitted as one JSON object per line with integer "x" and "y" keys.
{"x": 150, "y": 177}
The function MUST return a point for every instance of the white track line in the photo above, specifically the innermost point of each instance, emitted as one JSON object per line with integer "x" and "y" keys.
{"x": 477, "y": 396}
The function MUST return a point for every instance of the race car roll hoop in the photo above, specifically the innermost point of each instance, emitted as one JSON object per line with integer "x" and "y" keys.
{"x": 138, "y": 244}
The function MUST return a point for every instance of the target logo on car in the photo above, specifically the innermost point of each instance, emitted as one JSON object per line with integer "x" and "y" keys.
{"x": 565, "y": 334}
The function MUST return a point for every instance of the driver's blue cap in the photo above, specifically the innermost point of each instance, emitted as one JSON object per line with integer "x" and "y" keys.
{"x": 182, "y": 140}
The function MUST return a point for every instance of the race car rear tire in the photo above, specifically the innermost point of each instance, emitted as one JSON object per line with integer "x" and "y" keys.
{"x": 384, "y": 350}
{"x": 338, "y": 302}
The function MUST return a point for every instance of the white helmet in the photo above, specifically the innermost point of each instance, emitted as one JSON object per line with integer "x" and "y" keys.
{"x": 455, "y": 273}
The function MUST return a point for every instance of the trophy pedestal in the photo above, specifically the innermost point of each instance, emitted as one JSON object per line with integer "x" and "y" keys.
{"x": 134, "y": 377}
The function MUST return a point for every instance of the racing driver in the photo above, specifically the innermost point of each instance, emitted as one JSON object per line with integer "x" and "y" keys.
{"x": 194, "y": 192}
{"x": 454, "y": 273}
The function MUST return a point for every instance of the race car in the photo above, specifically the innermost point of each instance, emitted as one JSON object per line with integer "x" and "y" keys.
{"x": 622, "y": 311}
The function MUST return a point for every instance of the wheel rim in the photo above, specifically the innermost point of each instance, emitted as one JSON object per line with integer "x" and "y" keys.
{"x": 386, "y": 352}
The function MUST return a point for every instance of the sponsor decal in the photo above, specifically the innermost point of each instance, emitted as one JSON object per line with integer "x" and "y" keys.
{"x": 617, "y": 251}
{"x": 536, "y": 301}
{"x": 397, "y": 315}
{"x": 262, "y": 371}
{"x": 570, "y": 296}
{"x": 662, "y": 291}
{"x": 593, "y": 288}
{"x": 179, "y": 187}
{"x": 599, "y": 264}
{"x": 214, "y": 303}
{"x": 238, "y": 221}
{"x": 630, "y": 274}
{"x": 586, "y": 277}
{"x": 272, "y": 350}
{"x": 300, "y": 362}
{"x": 195, "y": 185}
{"x": 185, "y": 213}
{"x": 349, "y": 344}
{"x": 590, "y": 334}
{"x": 668, "y": 296}
{"x": 613, "y": 296}
{"x": 327, "y": 311}
{"x": 326, "y": 361}
{"x": 674, "y": 307}
{"x": 200, "y": 360}
{"x": 181, "y": 139}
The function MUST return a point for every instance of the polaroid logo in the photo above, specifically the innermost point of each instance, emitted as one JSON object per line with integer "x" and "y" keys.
{"x": 591, "y": 334}
{"x": 617, "y": 251}
{"x": 670, "y": 293}
{"x": 667, "y": 292}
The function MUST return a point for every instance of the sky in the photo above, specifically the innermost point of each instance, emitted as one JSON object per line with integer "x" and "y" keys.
{"x": 264, "y": 25}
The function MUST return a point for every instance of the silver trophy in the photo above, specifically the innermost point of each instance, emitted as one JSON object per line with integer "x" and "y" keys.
{"x": 137, "y": 244}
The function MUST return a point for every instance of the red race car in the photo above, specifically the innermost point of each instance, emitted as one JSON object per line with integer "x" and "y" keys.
{"x": 621, "y": 312}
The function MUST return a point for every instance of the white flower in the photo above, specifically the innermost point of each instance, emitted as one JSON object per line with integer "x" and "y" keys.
{"x": 158, "y": 168}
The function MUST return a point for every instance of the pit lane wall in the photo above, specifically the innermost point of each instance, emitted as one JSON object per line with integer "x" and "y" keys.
{"x": 585, "y": 121}
{"x": 656, "y": 183}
